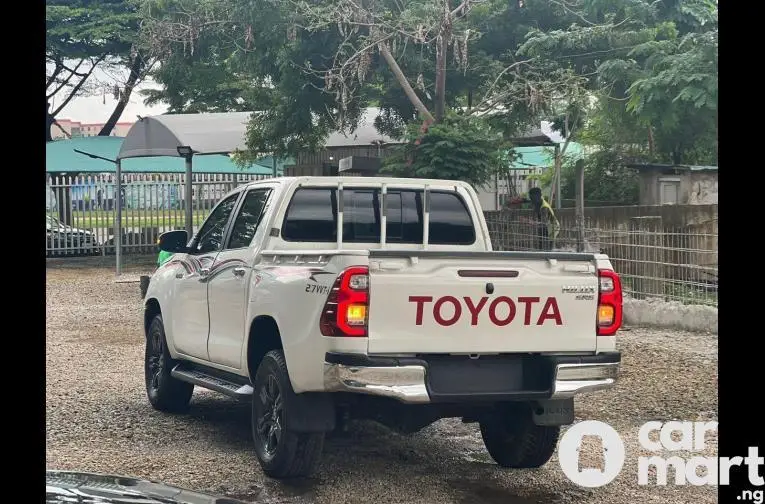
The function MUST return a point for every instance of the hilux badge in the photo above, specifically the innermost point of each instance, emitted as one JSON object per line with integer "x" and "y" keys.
{"x": 578, "y": 289}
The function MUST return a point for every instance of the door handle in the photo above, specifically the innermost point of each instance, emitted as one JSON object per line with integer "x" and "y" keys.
{"x": 239, "y": 271}
{"x": 179, "y": 275}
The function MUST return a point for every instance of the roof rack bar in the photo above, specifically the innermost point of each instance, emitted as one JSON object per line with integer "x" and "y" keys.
{"x": 426, "y": 216}
{"x": 383, "y": 215}
{"x": 340, "y": 215}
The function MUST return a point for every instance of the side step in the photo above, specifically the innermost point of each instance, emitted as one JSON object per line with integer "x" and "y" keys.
{"x": 218, "y": 384}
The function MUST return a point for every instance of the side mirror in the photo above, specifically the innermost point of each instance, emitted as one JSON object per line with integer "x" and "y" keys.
{"x": 173, "y": 241}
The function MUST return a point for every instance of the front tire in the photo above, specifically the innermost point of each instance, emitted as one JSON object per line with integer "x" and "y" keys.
{"x": 165, "y": 393}
{"x": 282, "y": 453}
{"x": 513, "y": 440}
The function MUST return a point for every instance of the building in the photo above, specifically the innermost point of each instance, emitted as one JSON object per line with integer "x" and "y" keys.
{"x": 77, "y": 129}
{"x": 360, "y": 152}
{"x": 663, "y": 184}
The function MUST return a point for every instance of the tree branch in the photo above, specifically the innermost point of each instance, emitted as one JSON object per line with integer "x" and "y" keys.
{"x": 136, "y": 68}
{"x": 74, "y": 70}
{"x": 488, "y": 92}
{"x": 463, "y": 8}
{"x": 57, "y": 70}
{"x": 67, "y": 134}
{"x": 402, "y": 80}
{"x": 65, "y": 82}
{"x": 77, "y": 87}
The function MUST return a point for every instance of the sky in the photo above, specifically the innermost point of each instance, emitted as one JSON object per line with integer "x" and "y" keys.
{"x": 97, "y": 109}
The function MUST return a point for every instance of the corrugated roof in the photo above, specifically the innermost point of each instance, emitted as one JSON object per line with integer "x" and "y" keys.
{"x": 542, "y": 157}
{"x": 364, "y": 134}
{"x": 663, "y": 166}
{"x": 60, "y": 157}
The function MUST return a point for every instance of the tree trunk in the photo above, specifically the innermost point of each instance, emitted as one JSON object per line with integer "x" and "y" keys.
{"x": 135, "y": 72}
{"x": 440, "y": 104}
{"x": 49, "y": 120}
{"x": 441, "y": 54}
{"x": 403, "y": 82}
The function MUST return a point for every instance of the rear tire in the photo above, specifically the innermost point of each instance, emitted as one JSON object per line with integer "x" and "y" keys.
{"x": 282, "y": 453}
{"x": 165, "y": 392}
{"x": 513, "y": 440}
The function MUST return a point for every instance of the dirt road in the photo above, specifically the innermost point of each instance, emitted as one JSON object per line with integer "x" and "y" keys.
{"x": 98, "y": 419}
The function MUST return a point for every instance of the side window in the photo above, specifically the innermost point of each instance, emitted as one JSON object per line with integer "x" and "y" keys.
{"x": 450, "y": 222}
{"x": 311, "y": 216}
{"x": 210, "y": 236}
{"x": 361, "y": 216}
{"x": 404, "y": 221}
{"x": 248, "y": 219}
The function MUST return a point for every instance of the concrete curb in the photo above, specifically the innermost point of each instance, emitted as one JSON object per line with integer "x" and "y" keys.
{"x": 671, "y": 315}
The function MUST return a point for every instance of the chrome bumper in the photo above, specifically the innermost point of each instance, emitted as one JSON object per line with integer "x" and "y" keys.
{"x": 408, "y": 383}
{"x": 405, "y": 383}
{"x": 572, "y": 379}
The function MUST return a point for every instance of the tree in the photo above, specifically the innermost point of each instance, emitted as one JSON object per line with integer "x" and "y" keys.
{"x": 386, "y": 54}
{"x": 81, "y": 36}
{"x": 651, "y": 72}
{"x": 456, "y": 148}
{"x": 309, "y": 67}
{"x": 652, "y": 69}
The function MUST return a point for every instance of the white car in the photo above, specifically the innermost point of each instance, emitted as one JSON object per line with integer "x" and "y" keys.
{"x": 63, "y": 239}
{"x": 321, "y": 299}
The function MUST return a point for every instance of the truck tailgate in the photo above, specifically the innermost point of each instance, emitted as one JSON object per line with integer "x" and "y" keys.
{"x": 481, "y": 302}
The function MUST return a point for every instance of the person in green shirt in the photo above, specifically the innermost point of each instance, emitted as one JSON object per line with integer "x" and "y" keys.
{"x": 164, "y": 256}
{"x": 546, "y": 223}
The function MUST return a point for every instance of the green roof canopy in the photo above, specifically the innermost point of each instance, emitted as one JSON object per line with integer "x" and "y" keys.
{"x": 60, "y": 157}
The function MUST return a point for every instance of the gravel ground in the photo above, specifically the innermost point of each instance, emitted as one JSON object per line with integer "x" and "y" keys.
{"x": 98, "y": 419}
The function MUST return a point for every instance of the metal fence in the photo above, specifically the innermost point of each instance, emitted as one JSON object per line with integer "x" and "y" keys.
{"x": 655, "y": 261}
{"x": 81, "y": 211}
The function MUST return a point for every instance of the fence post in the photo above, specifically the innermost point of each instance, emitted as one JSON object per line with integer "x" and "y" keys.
{"x": 580, "y": 206}
{"x": 647, "y": 251}
{"x": 118, "y": 219}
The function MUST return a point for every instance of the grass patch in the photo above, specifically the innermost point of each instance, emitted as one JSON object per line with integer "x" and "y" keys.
{"x": 153, "y": 218}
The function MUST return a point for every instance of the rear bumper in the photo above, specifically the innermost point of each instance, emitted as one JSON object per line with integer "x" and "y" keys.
{"x": 461, "y": 379}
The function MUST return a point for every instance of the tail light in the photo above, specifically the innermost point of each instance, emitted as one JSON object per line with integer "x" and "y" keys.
{"x": 609, "y": 303}
{"x": 345, "y": 313}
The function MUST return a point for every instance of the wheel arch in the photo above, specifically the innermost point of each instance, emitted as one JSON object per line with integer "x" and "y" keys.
{"x": 262, "y": 337}
{"x": 151, "y": 310}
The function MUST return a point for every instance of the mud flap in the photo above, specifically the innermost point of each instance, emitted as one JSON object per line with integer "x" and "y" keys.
{"x": 553, "y": 412}
{"x": 310, "y": 412}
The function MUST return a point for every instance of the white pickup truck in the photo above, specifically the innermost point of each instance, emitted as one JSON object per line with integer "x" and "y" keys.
{"x": 321, "y": 299}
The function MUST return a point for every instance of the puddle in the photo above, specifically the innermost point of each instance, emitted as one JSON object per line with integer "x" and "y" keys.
{"x": 488, "y": 492}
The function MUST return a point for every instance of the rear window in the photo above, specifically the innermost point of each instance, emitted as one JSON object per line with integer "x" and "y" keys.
{"x": 312, "y": 217}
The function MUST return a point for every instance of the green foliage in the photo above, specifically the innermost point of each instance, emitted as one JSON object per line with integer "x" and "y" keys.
{"x": 249, "y": 57}
{"x": 607, "y": 182}
{"x": 81, "y": 35}
{"x": 652, "y": 67}
{"x": 457, "y": 148}
{"x": 89, "y": 28}
{"x": 636, "y": 78}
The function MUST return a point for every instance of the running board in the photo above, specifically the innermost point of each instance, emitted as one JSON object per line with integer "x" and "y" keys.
{"x": 229, "y": 388}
